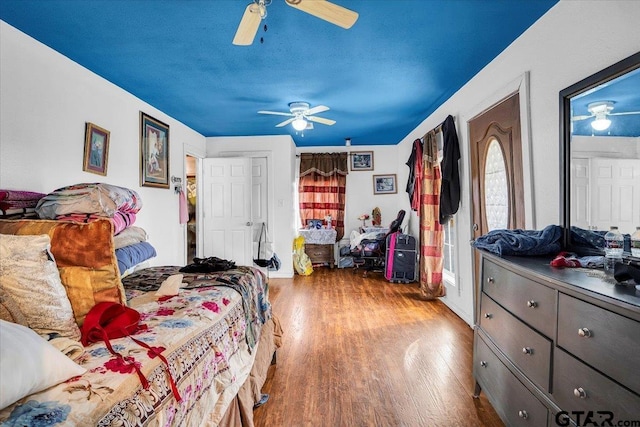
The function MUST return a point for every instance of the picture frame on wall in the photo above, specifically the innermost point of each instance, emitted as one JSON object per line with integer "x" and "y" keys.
{"x": 362, "y": 161}
{"x": 154, "y": 152}
{"x": 96, "y": 149}
{"x": 385, "y": 184}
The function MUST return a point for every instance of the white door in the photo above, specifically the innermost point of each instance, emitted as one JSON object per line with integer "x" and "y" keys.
{"x": 616, "y": 193}
{"x": 580, "y": 193}
{"x": 227, "y": 221}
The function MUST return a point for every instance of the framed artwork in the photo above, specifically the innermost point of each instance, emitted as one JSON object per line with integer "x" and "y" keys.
{"x": 314, "y": 223}
{"x": 154, "y": 152}
{"x": 384, "y": 184}
{"x": 362, "y": 161}
{"x": 96, "y": 149}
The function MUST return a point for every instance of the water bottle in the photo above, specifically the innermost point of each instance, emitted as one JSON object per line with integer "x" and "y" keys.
{"x": 613, "y": 248}
{"x": 635, "y": 243}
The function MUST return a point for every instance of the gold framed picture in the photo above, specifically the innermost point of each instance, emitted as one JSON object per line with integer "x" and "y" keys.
{"x": 154, "y": 152}
{"x": 96, "y": 149}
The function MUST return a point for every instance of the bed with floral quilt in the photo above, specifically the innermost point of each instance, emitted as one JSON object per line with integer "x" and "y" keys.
{"x": 217, "y": 334}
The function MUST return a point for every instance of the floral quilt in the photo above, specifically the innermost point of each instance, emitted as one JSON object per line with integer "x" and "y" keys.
{"x": 202, "y": 334}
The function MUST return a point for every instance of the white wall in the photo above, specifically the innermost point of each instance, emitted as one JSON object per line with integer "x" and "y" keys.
{"x": 570, "y": 42}
{"x": 281, "y": 152}
{"x": 605, "y": 146}
{"x": 46, "y": 100}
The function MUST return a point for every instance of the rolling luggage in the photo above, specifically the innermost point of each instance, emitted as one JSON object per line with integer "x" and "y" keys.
{"x": 401, "y": 260}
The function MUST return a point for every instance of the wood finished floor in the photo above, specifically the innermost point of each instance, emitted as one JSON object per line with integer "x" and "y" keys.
{"x": 364, "y": 352}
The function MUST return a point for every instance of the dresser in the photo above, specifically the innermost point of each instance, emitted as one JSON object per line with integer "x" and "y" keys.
{"x": 555, "y": 347}
{"x": 319, "y": 245}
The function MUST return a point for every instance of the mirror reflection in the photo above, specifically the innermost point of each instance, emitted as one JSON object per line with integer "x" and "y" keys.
{"x": 605, "y": 155}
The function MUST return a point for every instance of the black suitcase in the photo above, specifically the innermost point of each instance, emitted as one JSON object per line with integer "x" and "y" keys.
{"x": 401, "y": 260}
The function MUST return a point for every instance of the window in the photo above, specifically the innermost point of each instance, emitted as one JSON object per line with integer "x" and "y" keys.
{"x": 448, "y": 251}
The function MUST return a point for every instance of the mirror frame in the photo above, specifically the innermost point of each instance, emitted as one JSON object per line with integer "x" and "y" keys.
{"x": 616, "y": 70}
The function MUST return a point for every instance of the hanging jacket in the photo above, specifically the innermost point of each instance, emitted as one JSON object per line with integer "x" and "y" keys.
{"x": 450, "y": 189}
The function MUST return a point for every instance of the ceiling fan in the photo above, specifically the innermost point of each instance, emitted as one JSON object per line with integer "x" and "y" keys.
{"x": 600, "y": 111}
{"x": 257, "y": 11}
{"x": 300, "y": 115}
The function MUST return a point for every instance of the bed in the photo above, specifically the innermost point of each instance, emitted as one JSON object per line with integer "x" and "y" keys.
{"x": 218, "y": 335}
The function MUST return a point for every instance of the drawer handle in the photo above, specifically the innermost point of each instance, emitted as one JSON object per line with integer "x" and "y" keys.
{"x": 527, "y": 350}
{"x": 483, "y": 363}
{"x": 523, "y": 414}
{"x": 579, "y": 392}
{"x": 490, "y": 280}
{"x": 488, "y": 315}
{"x": 532, "y": 304}
{"x": 584, "y": 332}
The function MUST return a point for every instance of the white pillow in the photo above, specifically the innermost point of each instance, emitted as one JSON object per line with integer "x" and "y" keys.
{"x": 28, "y": 273}
{"x": 29, "y": 364}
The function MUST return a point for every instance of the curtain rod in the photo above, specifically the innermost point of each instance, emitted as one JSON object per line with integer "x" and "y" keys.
{"x": 439, "y": 127}
{"x": 348, "y": 153}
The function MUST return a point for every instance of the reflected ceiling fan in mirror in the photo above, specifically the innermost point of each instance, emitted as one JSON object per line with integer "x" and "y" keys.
{"x": 600, "y": 111}
{"x": 301, "y": 115}
{"x": 325, "y": 10}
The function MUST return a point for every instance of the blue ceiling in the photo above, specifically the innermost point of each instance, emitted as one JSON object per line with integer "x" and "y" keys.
{"x": 381, "y": 78}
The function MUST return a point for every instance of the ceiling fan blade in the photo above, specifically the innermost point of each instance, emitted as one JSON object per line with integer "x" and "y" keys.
{"x": 625, "y": 113}
{"x": 275, "y": 113}
{"x": 248, "y": 27}
{"x": 330, "y": 12}
{"x": 286, "y": 122}
{"x": 578, "y": 118}
{"x": 321, "y": 120}
{"x": 316, "y": 110}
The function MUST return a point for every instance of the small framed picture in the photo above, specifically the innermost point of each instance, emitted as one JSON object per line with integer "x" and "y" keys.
{"x": 314, "y": 223}
{"x": 154, "y": 152}
{"x": 96, "y": 149}
{"x": 362, "y": 161}
{"x": 384, "y": 184}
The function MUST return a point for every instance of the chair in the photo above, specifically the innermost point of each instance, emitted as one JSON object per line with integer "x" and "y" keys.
{"x": 370, "y": 253}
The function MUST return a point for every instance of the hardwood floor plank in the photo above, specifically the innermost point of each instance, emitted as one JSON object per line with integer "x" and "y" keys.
{"x": 364, "y": 352}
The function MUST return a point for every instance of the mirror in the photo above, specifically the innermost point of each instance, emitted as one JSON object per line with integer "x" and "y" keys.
{"x": 600, "y": 152}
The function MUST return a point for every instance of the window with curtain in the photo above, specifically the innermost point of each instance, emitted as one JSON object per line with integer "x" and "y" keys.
{"x": 323, "y": 178}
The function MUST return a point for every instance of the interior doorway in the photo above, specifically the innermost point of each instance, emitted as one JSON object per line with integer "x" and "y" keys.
{"x": 192, "y": 204}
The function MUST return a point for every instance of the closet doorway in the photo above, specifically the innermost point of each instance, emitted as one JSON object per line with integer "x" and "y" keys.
{"x": 190, "y": 188}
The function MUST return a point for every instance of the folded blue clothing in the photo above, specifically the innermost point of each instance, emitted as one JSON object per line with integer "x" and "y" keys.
{"x": 521, "y": 242}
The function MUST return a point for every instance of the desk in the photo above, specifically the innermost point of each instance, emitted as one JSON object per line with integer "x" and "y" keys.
{"x": 318, "y": 245}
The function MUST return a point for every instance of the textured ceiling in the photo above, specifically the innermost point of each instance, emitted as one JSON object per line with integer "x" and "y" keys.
{"x": 381, "y": 78}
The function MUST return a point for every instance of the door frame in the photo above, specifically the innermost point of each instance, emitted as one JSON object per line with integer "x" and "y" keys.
{"x": 270, "y": 199}
{"x": 521, "y": 85}
{"x": 518, "y": 85}
{"x": 189, "y": 150}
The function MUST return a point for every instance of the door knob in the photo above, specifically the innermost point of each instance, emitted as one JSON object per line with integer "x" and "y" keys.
{"x": 475, "y": 227}
{"x": 249, "y": 223}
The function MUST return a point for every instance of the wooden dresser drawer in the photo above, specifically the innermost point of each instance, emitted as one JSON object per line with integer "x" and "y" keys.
{"x": 528, "y": 349}
{"x": 320, "y": 253}
{"x": 531, "y": 301}
{"x": 516, "y": 405}
{"x": 577, "y": 387}
{"x": 605, "y": 340}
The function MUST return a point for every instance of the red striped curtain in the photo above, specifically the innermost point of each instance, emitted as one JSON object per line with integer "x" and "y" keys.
{"x": 431, "y": 234}
{"x": 322, "y": 188}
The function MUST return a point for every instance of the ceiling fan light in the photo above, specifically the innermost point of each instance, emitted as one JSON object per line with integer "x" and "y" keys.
{"x": 601, "y": 124}
{"x": 299, "y": 124}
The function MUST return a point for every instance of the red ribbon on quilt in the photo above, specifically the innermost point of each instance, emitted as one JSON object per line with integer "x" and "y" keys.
{"x": 110, "y": 320}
